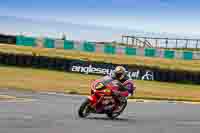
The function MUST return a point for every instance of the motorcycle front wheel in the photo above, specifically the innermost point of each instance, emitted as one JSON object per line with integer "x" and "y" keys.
{"x": 84, "y": 109}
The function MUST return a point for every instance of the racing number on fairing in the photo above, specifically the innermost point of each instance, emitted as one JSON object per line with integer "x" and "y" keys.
{"x": 99, "y": 86}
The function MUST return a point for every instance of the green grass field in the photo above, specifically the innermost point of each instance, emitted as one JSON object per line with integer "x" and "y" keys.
{"x": 6, "y": 97}
{"x": 55, "y": 81}
{"x": 193, "y": 65}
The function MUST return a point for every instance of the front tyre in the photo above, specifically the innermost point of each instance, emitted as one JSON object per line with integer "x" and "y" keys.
{"x": 84, "y": 109}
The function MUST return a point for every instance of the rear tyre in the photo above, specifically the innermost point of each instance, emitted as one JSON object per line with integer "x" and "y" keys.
{"x": 84, "y": 109}
{"x": 114, "y": 115}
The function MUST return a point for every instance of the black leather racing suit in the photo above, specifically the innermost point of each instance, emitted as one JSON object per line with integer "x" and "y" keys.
{"x": 107, "y": 79}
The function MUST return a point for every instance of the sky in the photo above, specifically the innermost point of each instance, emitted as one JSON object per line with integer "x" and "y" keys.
{"x": 119, "y": 16}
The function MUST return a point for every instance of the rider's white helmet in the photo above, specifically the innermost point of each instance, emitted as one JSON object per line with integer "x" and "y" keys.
{"x": 120, "y": 72}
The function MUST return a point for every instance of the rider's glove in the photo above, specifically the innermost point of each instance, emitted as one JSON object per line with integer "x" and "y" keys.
{"x": 122, "y": 87}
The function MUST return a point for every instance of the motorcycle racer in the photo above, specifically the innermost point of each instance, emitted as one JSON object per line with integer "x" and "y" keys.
{"x": 108, "y": 94}
{"x": 120, "y": 75}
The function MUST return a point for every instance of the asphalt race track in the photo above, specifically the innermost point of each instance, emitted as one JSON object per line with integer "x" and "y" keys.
{"x": 57, "y": 113}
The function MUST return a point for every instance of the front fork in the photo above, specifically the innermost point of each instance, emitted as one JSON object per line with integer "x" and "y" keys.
{"x": 93, "y": 101}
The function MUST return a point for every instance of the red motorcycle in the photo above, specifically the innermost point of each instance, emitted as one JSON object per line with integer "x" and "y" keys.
{"x": 102, "y": 100}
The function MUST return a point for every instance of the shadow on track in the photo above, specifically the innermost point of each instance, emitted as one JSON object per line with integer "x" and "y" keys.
{"x": 108, "y": 119}
{"x": 113, "y": 120}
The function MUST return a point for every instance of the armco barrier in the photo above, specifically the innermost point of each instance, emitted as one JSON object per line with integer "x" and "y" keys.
{"x": 107, "y": 48}
{"x": 98, "y": 68}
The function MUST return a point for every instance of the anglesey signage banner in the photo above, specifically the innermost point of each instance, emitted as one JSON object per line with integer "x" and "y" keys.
{"x": 105, "y": 70}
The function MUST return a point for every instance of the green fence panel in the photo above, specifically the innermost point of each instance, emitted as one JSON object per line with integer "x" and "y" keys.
{"x": 169, "y": 54}
{"x": 49, "y": 43}
{"x": 187, "y": 55}
{"x": 89, "y": 47}
{"x": 26, "y": 41}
{"x": 68, "y": 44}
{"x": 130, "y": 51}
{"x": 19, "y": 40}
{"x": 150, "y": 52}
{"x": 109, "y": 49}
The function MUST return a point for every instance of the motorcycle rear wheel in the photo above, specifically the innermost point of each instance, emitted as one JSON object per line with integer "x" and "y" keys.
{"x": 116, "y": 114}
{"x": 84, "y": 109}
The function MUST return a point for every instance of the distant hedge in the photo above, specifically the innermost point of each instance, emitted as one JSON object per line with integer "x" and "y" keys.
{"x": 8, "y": 39}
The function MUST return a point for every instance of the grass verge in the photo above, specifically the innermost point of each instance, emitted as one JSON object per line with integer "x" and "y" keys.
{"x": 171, "y": 64}
{"x": 74, "y": 83}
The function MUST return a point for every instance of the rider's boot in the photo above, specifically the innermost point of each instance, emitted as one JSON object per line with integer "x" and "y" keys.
{"x": 121, "y": 100}
{"x": 109, "y": 109}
